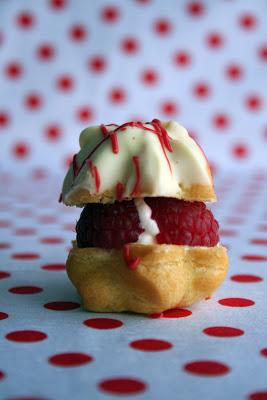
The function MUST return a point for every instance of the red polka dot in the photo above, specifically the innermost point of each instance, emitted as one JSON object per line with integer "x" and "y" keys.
{"x": 51, "y": 240}
{"x": 117, "y": 96}
{"x": 25, "y": 231}
{"x": 122, "y": 386}
{"x": 97, "y": 64}
{"x": 20, "y": 150}
{"x": 110, "y": 14}
{"x": 25, "y": 290}
{"x": 5, "y": 224}
{"x": 45, "y": 52}
{"x": 103, "y": 323}
{"x": 53, "y": 132}
{"x": 247, "y": 21}
{"x": 176, "y": 313}
{"x": 264, "y": 352}
{"x": 150, "y": 345}
{"x": 259, "y": 241}
{"x": 3, "y": 315}
{"x": 39, "y": 173}
{"x": 4, "y": 119}
{"x": 195, "y": 8}
{"x": 254, "y": 257}
{"x": 240, "y": 150}
{"x": 25, "y": 256}
{"x": 26, "y": 336}
{"x": 65, "y": 83}
{"x": 262, "y": 52}
{"x": 201, "y": 90}
{"x": 2, "y": 375}
{"x": 78, "y": 32}
{"x": 58, "y": 4}
{"x": 33, "y": 101}
{"x": 221, "y": 121}
{"x": 246, "y": 278}
{"x": 69, "y": 227}
{"x": 236, "y": 302}
{"x": 169, "y": 108}
{"x": 253, "y": 102}
{"x": 47, "y": 219}
{"x": 130, "y": 45}
{"x": 228, "y": 232}
{"x": 182, "y": 58}
{"x": 263, "y": 228}
{"x": 4, "y": 245}
{"x": 13, "y": 70}
{"x": 162, "y": 26}
{"x": 62, "y": 305}
{"x": 234, "y": 72}
{"x": 70, "y": 359}
{"x": 54, "y": 267}
{"x": 25, "y": 20}
{"x": 149, "y": 77}
{"x": 214, "y": 40}
{"x": 4, "y": 274}
{"x": 223, "y": 331}
{"x": 84, "y": 114}
{"x": 258, "y": 396}
{"x": 207, "y": 368}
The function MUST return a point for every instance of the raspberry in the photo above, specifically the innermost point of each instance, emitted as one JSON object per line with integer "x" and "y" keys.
{"x": 183, "y": 222}
{"x": 180, "y": 222}
{"x": 108, "y": 225}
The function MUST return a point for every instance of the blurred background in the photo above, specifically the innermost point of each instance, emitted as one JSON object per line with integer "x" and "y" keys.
{"x": 67, "y": 64}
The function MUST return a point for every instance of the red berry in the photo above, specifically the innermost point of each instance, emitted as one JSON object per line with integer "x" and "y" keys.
{"x": 180, "y": 222}
{"x": 108, "y": 225}
{"x": 183, "y": 222}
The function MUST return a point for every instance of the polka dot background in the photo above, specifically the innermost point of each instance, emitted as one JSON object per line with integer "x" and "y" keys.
{"x": 67, "y": 64}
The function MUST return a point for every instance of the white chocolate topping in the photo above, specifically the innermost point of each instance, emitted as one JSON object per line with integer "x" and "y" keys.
{"x": 136, "y": 160}
{"x": 149, "y": 225}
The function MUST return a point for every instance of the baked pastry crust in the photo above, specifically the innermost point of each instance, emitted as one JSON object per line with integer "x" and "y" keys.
{"x": 168, "y": 276}
{"x": 81, "y": 196}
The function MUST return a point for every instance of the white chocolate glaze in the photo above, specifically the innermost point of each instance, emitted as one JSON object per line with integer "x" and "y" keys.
{"x": 150, "y": 159}
{"x": 149, "y": 225}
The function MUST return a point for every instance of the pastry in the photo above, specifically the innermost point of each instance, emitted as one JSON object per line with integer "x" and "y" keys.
{"x": 146, "y": 241}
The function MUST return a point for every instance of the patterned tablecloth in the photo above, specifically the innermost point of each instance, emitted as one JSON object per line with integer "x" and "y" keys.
{"x": 51, "y": 348}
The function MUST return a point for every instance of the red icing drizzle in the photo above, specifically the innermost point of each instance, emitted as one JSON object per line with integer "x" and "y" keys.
{"x": 119, "y": 191}
{"x": 136, "y": 189}
{"x": 95, "y": 174}
{"x": 159, "y": 130}
{"x": 131, "y": 263}
{"x": 164, "y": 133}
{"x": 104, "y": 130}
{"x": 75, "y": 167}
{"x": 114, "y": 142}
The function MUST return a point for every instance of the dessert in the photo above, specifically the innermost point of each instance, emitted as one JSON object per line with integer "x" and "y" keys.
{"x": 146, "y": 241}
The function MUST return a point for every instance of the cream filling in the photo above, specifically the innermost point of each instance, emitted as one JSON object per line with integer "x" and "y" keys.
{"x": 147, "y": 223}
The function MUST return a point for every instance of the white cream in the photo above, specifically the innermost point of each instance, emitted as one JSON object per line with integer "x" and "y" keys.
{"x": 162, "y": 172}
{"x": 149, "y": 225}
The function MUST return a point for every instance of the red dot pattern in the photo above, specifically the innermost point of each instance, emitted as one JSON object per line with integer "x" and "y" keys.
{"x": 207, "y": 368}
{"x": 122, "y": 386}
{"x": 26, "y": 336}
{"x": 150, "y": 345}
{"x": 64, "y": 76}
{"x": 103, "y": 323}
{"x": 70, "y": 359}
{"x": 223, "y": 331}
{"x": 195, "y": 73}
{"x": 61, "y": 305}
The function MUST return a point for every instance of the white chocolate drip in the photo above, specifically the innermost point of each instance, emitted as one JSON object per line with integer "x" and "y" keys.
{"x": 147, "y": 223}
